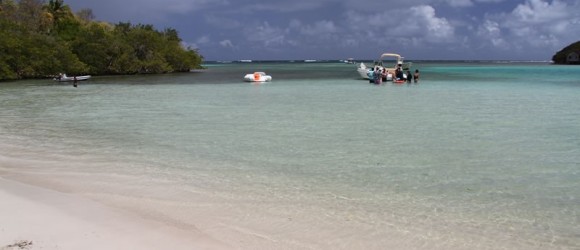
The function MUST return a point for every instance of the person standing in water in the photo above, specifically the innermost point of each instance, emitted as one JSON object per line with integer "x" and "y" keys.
{"x": 399, "y": 72}
{"x": 75, "y": 81}
{"x": 371, "y": 75}
{"x": 416, "y": 76}
{"x": 376, "y": 75}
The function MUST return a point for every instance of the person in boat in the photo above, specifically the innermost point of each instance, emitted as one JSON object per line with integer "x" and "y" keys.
{"x": 416, "y": 76}
{"x": 409, "y": 76}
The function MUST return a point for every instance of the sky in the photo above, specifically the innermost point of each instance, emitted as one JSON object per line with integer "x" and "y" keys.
{"x": 359, "y": 29}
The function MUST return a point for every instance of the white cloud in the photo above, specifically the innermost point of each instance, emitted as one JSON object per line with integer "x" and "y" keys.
{"x": 283, "y": 6}
{"x": 319, "y": 28}
{"x": 203, "y": 40}
{"x": 265, "y": 34}
{"x": 144, "y": 11}
{"x": 374, "y": 6}
{"x": 437, "y": 29}
{"x": 178, "y": 6}
{"x": 295, "y": 24}
{"x": 534, "y": 26}
{"x": 227, "y": 44}
{"x": 539, "y": 12}
{"x": 418, "y": 25}
{"x": 199, "y": 42}
{"x": 460, "y": 3}
{"x": 539, "y": 22}
{"x": 222, "y": 22}
{"x": 491, "y": 31}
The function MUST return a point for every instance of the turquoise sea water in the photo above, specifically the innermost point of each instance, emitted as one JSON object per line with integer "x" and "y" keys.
{"x": 475, "y": 156}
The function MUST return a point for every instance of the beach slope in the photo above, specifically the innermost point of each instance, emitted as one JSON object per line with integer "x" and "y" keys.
{"x": 36, "y": 218}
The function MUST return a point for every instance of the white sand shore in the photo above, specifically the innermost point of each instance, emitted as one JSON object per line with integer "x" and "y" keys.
{"x": 45, "y": 219}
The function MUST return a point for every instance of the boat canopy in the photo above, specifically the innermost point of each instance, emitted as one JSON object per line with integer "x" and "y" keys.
{"x": 397, "y": 56}
{"x": 390, "y": 55}
{"x": 394, "y": 57}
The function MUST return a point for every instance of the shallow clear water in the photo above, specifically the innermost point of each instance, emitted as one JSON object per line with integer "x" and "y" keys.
{"x": 483, "y": 156}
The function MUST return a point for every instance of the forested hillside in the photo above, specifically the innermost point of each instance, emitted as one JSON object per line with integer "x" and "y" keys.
{"x": 41, "y": 39}
{"x": 561, "y": 56}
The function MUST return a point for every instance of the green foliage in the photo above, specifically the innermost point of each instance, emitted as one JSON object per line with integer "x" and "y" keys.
{"x": 91, "y": 45}
{"x": 43, "y": 39}
{"x": 561, "y": 56}
{"x": 8, "y": 44}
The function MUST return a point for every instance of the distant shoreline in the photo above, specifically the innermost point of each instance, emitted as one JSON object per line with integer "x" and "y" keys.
{"x": 253, "y": 62}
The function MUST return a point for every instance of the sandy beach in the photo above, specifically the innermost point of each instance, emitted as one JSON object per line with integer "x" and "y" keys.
{"x": 36, "y": 218}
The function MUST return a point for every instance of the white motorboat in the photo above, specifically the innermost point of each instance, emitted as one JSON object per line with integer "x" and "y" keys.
{"x": 65, "y": 78}
{"x": 388, "y": 62}
{"x": 368, "y": 73}
{"x": 257, "y": 77}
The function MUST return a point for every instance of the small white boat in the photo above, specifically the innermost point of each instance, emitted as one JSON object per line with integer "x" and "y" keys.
{"x": 349, "y": 61}
{"x": 388, "y": 62}
{"x": 257, "y": 77}
{"x": 65, "y": 78}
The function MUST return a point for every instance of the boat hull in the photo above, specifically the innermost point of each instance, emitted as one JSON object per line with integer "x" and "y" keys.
{"x": 65, "y": 78}
{"x": 257, "y": 77}
{"x": 363, "y": 71}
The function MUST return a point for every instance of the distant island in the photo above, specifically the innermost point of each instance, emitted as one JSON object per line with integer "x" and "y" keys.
{"x": 568, "y": 55}
{"x": 42, "y": 39}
